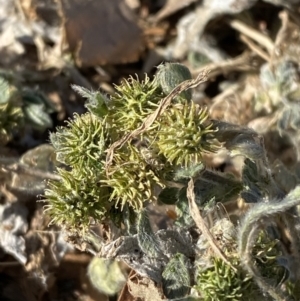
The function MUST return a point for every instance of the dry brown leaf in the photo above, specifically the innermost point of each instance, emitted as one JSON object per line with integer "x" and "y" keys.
{"x": 145, "y": 289}
{"x": 101, "y": 32}
{"x": 125, "y": 294}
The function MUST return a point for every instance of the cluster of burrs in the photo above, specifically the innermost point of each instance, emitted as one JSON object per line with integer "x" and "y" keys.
{"x": 90, "y": 191}
{"x": 146, "y": 143}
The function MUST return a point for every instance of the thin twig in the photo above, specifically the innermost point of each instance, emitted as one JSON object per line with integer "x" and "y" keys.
{"x": 201, "y": 224}
{"x": 10, "y": 263}
{"x": 232, "y": 90}
{"x": 255, "y": 48}
{"x": 283, "y": 31}
{"x": 283, "y": 34}
{"x": 253, "y": 34}
{"x": 239, "y": 63}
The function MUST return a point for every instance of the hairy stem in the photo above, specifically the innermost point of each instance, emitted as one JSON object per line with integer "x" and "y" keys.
{"x": 248, "y": 234}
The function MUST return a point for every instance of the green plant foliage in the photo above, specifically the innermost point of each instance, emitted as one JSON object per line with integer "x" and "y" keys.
{"x": 176, "y": 277}
{"x": 249, "y": 233}
{"x": 151, "y": 157}
{"x": 169, "y": 195}
{"x": 289, "y": 118}
{"x": 238, "y": 140}
{"x": 184, "y": 219}
{"x": 141, "y": 146}
{"x": 21, "y": 107}
{"x": 220, "y": 282}
{"x": 189, "y": 172}
{"x": 146, "y": 237}
{"x": 82, "y": 144}
{"x": 286, "y": 179}
{"x": 253, "y": 183}
{"x": 133, "y": 101}
{"x": 279, "y": 95}
{"x": 79, "y": 198}
{"x": 37, "y": 109}
{"x": 11, "y": 114}
{"x": 184, "y": 134}
{"x": 220, "y": 188}
{"x": 96, "y": 103}
{"x": 211, "y": 187}
{"x": 131, "y": 179}
{"x": 75, "y": 203}
{"x": 266, "y": 253}
{"x": 170, "y": 75}
{"x": 279, "y": 84}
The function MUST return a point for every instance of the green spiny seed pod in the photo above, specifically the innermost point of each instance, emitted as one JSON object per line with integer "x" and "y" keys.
{"x": 266, "y": 251}
{"x": 133, "y": 101}
{"x": 215, "y": 279}
{"x": 185, "y": 133}
{"x": 220, "y": 282}
{"x": 131, "y": 179}
{"x": 11, "y": 115}
{"x": 82, "y": 143}
{"x": 170, "y": 75}
{"x": 74, "y": 203}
